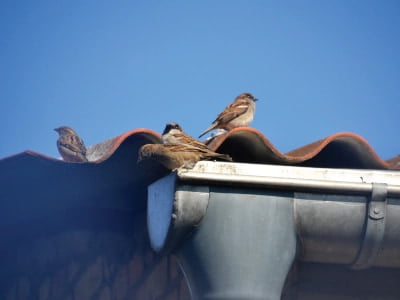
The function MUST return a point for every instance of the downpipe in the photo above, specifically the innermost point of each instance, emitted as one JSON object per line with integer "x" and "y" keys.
{"x": 239, "y": 241}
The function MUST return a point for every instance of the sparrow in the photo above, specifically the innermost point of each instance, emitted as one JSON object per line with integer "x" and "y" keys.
{"x": 174, "y": 134}
{"x": 174, "y": 156}
{"x": 239, "y": 113}
{"x": 70, "y": 145}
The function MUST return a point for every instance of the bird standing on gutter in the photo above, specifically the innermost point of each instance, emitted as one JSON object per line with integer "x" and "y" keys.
{"x": 174, "y": 156}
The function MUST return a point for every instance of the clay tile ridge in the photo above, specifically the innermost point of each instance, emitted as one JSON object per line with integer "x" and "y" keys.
{"x": 250, "y": 145}
{"x": 100, "y": 152}
{"x": 253, "y": 140}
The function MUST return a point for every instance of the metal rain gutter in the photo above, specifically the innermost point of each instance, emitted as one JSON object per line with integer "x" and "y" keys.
{"x": 293, "y": 178}
{"x": 235, "y": 227}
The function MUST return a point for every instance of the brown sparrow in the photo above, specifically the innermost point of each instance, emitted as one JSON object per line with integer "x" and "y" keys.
{"x": 70, "y": 145}
{"x": 173, "y": 156}
{"x": 173, "y": 134}
{"x": 239, "y": 113}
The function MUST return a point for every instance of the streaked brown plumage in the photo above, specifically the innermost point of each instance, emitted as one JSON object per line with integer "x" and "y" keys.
{"x": 70, "y": 145}
{"x": 176, "y": 156}
{"x": 174, "y": 134}
{"x": 239, "y": 113}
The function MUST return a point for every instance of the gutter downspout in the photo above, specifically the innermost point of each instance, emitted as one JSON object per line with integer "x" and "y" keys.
{"x": 233, "y": 226}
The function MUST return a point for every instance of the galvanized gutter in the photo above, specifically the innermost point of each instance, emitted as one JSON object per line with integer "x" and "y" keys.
{"x": 236, "y": 228}
{"x": 292, "y": 178}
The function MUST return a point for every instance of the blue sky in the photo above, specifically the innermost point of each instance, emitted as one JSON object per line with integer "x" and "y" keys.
{"x": 105, "y": 67}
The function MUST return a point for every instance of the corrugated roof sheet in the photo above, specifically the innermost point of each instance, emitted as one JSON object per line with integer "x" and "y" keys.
{"x": 112, "y": 176}
{"x": 340, "y": 150}
{"x": 35, "y": 186}
{"x": 394, "y": 162}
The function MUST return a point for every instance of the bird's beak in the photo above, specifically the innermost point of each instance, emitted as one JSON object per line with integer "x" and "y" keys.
{"x": 255, "y": 99}
{"x": 56, "y": 129}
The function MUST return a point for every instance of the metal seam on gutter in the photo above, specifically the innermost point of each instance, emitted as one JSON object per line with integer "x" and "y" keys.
{"x": 282, "y": 182}
{"x": 374, "y": 228}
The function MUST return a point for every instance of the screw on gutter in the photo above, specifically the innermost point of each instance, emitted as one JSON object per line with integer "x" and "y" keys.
{"x": 376, "y": 210}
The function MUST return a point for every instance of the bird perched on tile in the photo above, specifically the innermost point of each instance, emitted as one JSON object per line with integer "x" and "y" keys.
{"x": 239, "y": 113}
{"x": 174, "y": 156}
{"x": 174, "y": 134}
{"x": 70, "y": 145}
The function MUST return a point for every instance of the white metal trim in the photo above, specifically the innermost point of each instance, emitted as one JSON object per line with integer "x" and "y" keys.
{"x": 321, "y": 179}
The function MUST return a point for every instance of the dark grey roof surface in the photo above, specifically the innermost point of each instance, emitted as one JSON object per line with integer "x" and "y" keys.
{"x": 35, "y": 185}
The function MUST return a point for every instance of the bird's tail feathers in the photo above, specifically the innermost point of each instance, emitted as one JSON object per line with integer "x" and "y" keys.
{"x": 226, "y": 157}
{"x": 221, "y": 156}
{"x": 207, "y": 130}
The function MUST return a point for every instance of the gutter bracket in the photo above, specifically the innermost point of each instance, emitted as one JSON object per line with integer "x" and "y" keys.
{"x": 374, "y": 227}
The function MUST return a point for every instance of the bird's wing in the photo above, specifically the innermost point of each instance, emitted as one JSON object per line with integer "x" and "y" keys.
{"x": 203, "y": 153}
{"x": 182, "y": 148}
{"x": 232, "y": 111}
{"x": 73, "y": 143}
{"x": 188, "y": 140}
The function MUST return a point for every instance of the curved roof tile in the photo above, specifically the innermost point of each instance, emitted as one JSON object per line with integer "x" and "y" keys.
{"x": 394, "y": 162}
{"x": 102, "y": 151}
{"x": 244, "y": 144}
{"x": 113, "y": 179}
{"x": 341, "y": 150}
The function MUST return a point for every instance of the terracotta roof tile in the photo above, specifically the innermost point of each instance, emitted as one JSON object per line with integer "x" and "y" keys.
{"x": 341, "y": 150}
{"x": 394, "y": 162}
{"x": 36, "y": 186}
{"x": 104, "y": 150}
